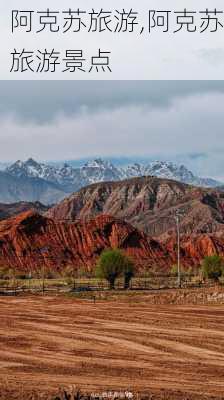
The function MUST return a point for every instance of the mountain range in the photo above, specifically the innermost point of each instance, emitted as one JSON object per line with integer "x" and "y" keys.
{"x": 34, "y": 181}
{"x": 136, "y": 215}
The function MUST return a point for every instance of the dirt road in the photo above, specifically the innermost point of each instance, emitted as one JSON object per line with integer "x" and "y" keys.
{"x": 46, "y": 342}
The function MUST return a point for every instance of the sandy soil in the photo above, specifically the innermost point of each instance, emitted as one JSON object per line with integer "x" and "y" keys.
{"x": 46, "y": 342}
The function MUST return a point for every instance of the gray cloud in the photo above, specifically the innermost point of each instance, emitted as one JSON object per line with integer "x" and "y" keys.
{"x": 43, "y": 101}
{"x": 179, "y": 121}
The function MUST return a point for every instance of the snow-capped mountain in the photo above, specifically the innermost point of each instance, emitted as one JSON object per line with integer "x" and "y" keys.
{"x": 71, "y": 179}
{"x": 68, "y": 177}
{"x": 169, "y": 170}
{"x": 100, "y": 171}
{"x": 32, "y": 169}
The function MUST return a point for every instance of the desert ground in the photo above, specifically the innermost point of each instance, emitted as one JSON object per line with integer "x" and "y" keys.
{"x": 171, "y": 351}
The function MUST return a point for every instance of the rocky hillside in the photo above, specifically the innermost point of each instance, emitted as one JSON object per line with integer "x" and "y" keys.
{"x": 30, "y": 241}
{"x": 195, "y": 247}
{"x": 149, "y": 204}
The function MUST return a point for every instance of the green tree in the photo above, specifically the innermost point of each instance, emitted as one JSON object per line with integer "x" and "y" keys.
{"x": 112, "y": 264}
{"x": 213, "y": 267}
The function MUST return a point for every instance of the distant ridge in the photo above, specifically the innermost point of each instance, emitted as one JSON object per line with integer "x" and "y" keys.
{"x": 23, "y": 188}
{"x": 13, "y": 209}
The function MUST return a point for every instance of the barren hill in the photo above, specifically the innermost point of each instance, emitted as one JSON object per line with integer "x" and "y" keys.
{"x": 148, "y": 203}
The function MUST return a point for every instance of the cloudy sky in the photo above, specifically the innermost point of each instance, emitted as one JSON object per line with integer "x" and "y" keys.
{"x": 180, "y": 121}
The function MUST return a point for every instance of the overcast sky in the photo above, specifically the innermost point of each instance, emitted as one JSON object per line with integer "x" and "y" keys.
{"x": 172, "y": 120}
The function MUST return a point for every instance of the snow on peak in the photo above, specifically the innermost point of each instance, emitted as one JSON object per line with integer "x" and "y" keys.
{"x": 18, "y": 163}
{"x": 98, "y": 163}
{"x": 31, "y": 162}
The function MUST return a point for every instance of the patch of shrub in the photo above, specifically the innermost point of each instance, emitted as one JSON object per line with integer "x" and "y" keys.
{"x": 213, "y": 267}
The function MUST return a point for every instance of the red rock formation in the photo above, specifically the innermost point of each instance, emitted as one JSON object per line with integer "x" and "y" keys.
{"x": 195, "y": 247}
{"x": 30, "y": 241}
